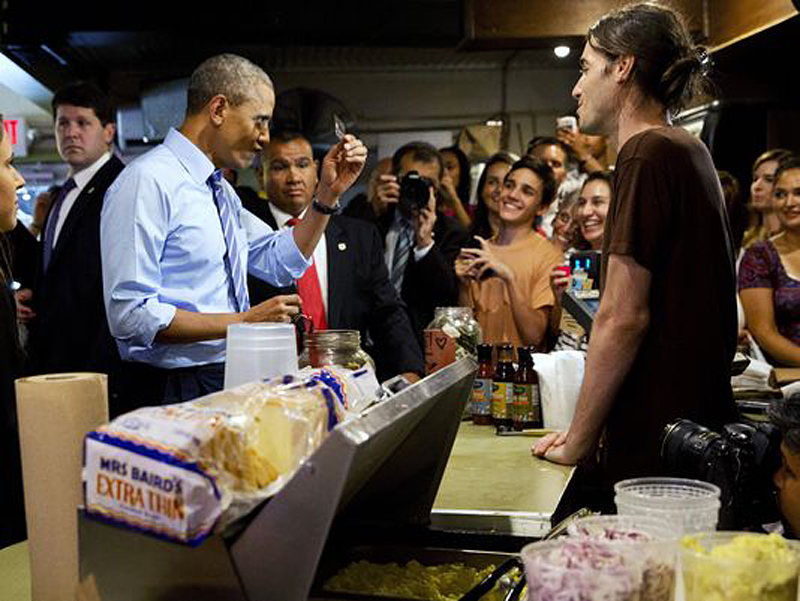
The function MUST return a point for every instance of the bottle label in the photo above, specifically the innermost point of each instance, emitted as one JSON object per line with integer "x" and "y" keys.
{"x": 440, "y": 350}
{"x": 482, "y": 396}
{"x": 502, "y": 400}
{"x": 535, "y": 404}
{"x": 522, "y": 402}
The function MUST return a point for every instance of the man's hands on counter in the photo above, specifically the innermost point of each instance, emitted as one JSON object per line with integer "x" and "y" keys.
{"x": 558, "y": 448}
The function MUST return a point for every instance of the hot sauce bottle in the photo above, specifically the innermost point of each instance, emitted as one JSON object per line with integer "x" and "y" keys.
{"x": 482, "y": 387}
{"x": 527, "y": 411}
{"x": 503, "y": 387}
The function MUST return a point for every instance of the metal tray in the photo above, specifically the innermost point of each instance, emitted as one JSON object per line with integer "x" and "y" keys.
{"x": 427, "y": 556}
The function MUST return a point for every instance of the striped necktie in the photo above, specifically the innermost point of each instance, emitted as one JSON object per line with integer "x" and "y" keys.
{"x": 402, "y": 249}
{"x": 52, "y": 221}
{"x": 233, "y": 261}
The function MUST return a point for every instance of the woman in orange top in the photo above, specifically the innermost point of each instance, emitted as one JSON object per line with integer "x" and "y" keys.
{"x": 506, "y": 280}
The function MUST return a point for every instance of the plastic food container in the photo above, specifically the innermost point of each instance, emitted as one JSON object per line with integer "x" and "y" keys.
{"x": 256, "y": 351}
{"x": 594, "y": 570}
{"x": 691, "y": 505}
{"x": 740, "y": 566}
{"x": 624, "y": 528}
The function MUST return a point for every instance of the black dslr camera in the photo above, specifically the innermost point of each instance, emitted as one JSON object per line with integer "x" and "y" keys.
{"x": 414, "y": 193}
{"x": 741, "y": 461}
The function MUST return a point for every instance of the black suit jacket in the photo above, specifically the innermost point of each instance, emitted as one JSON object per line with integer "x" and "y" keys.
{"x": 430, "y": 282}
{"x": 360, "y": 295}
{"x": 70, "y": 332}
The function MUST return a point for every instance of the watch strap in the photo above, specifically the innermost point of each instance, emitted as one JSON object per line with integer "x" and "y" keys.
{"x": 325, "y": 209}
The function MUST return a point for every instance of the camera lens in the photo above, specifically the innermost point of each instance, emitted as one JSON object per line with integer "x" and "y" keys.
{"x": 689, "y": 449}
{"x": 414, "y": 193}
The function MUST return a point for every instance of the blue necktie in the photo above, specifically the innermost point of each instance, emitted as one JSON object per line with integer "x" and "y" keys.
{"x": 405, "y": 238}
{"x": 55, "y": 211}
{"x": 233, "y": 262}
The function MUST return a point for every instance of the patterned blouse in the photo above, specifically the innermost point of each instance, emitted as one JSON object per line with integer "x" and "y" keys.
{"x": 762, "y": 267}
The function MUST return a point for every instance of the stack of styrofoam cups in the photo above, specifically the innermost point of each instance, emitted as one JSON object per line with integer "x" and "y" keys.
{"x": 259, "y": 350}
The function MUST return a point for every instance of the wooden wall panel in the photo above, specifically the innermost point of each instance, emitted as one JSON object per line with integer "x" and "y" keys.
{"x": 533, "y": 23}
{"x": 733, "y": 20}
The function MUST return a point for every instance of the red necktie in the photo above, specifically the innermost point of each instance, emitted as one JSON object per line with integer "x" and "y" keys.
{"x": 310, "y": 292}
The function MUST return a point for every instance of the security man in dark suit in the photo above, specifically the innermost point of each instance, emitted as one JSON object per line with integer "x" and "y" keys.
{"x": 348, "y": 285}
{"x": 69, "y": 331}
{"x": 420, "y": 249}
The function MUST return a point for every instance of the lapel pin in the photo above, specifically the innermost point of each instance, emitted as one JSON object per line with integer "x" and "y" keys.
{"x": 90, "y": 190}
{"x": 342, "y": 246}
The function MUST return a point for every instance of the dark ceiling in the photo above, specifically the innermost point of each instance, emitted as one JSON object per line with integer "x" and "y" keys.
{"x": 126, "y": 45}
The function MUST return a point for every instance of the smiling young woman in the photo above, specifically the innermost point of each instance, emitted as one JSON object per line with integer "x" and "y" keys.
{"x": 12, "y": 524}
{"x": 505, "y": 280}
{"x": 769, "y": 276}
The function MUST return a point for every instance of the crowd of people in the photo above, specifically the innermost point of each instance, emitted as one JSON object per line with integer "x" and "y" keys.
{"x": 139, "y": 269}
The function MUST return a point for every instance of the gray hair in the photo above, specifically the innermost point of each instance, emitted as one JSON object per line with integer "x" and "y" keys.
{"x": 231, "y": 75}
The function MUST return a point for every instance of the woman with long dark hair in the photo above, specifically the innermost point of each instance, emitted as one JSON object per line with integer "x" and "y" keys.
{"x": 769, "y": 275}
{"x": 12, "y": 510}
{"x": 763, "y": 222}
{"x": 486, "y": 220}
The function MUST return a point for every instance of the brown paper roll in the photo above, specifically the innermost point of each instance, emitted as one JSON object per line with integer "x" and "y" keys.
{"x": 55, "y": 412}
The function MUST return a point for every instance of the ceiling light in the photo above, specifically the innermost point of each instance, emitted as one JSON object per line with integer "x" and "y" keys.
{"x": 561, "y": 51}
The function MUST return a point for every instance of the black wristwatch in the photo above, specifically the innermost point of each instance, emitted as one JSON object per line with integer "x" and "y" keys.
{"x": 325, "y": 209}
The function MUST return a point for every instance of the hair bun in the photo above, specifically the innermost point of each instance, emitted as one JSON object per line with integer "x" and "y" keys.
{"x": 703, "y": 59}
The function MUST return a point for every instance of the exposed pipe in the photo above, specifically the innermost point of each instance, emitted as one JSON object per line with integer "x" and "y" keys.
{"x": 506, "y": 130}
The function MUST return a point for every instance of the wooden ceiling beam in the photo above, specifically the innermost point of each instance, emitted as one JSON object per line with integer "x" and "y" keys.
{"x": 502, "y": 24}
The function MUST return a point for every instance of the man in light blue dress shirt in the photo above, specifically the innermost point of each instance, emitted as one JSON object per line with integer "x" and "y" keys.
{"x": 174, "y": 237}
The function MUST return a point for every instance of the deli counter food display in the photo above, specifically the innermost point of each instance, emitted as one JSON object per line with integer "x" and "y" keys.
{"x": 405, "y": 481}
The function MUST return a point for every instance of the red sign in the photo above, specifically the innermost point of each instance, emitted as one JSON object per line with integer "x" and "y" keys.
{"x": 11, "y": 126}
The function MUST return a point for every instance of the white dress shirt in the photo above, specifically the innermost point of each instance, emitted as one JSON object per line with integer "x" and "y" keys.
{"x": 163, "y": 249}
{"x": 81, "y": 178}
{"x": 319, "y": 257}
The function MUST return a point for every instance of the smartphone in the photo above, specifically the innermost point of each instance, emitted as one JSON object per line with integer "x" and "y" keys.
{"x": 473, "y": 243}
{"x": 567, "y": 122}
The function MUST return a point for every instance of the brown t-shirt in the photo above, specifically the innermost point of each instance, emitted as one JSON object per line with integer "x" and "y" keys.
{"x": 668, "y": 214}
{"x": 531, "y": 259}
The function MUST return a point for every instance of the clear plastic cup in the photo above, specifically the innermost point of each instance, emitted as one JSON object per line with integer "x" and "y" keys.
{"x": 691, "y": 505}
{"x": 740, "y": 566}
{"x": 594, "y": 570}
{"x": 258, "y": 351}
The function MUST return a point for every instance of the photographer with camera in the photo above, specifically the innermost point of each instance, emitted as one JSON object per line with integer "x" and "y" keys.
{"x": 420, "y": 243}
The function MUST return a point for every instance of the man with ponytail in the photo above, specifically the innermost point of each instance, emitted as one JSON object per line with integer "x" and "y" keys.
{"x": 664, "y": 336}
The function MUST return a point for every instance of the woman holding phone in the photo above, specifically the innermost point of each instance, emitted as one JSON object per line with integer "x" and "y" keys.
{"x": 589, "y": 218}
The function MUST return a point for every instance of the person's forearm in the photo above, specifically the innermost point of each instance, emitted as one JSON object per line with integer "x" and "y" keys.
{"x": 188, "y": 326}
{"x": 591, "y": 165}
{"x": 309, "y": 230}
{"x": 779, "y": 348}
{"x": 615, "y": 340}
{"x": 555, "y": 318}
{"x": 461, "y": 213}
{"x": 531, "y": 323}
